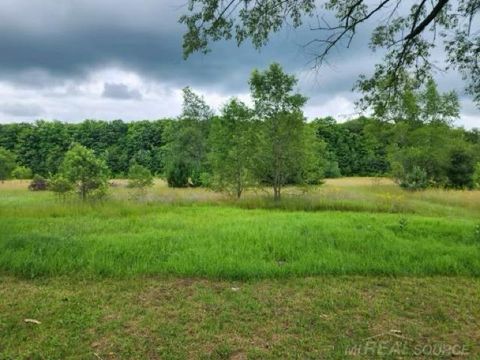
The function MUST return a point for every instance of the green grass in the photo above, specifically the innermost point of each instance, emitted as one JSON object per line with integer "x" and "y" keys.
{"x": 121, "y": 238}
{"x": 190, "y": 274}
{"x": 309, "y": 318}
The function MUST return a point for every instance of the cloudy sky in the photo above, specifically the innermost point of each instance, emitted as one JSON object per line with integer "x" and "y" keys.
{"x": 118, "y": 59}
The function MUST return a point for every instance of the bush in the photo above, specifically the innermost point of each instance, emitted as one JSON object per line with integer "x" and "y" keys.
{"x": 416, "y": 179}
{"x": 177, "y": 175}
{"x": 38, "y": 183}
{"x": 332, "y": 170}
{"x": 460, "y": 169}
{"x": 139, "y": 177}
{"x": 476, "y": 176}
{"x": 21, "y": 173}
{"x": 60, "y": 186}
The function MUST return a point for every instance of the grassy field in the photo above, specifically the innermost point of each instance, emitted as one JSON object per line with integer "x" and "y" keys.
{"x": 191, "y": 274}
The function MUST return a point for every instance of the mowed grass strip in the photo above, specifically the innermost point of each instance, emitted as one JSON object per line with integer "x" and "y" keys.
{"x": 308, "y": 318}
{"x": 125, "y": 239}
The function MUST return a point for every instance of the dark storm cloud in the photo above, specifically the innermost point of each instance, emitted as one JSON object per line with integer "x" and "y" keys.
{"x": 48, "y": 44}
{"x": 120, "y": 91}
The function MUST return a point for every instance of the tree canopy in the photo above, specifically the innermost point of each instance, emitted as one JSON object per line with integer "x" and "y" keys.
{"x": 408, "y": 32}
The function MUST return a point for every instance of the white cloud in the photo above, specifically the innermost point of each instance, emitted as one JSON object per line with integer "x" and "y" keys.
{"x": 341, "y": 107}
{"x": 76, "y": 99}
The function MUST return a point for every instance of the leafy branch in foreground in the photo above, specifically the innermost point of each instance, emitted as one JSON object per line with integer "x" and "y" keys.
{"x": 408, "y": 33}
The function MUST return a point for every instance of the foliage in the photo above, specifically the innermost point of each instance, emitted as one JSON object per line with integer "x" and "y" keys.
{"x": 139, "y": 177}
{"x": 356, "y": 147}
{"x": 7, "y": 163}
{"x": 417, "y": 130}
{"x": 272, "y": 92}
{"x": 443, "y": 153}
{"x": 85, "y": 170}
{"x": 38, "y": 183}
{"x": 233, "y": 142}
{"x": 286, "y": 151}
{"x": 194, "y": 106}
{"x": 177, "y": 174}
{"x": 22, "y": 172}
{"x": 460, "y": 168}
{"x": 185, "y": 150}
{"x": 42, "y": 145}
{"x": 476, "y": 176}
{"x": 415, "y": 179}
{"x": 407, "y": 34}
{"x": 60, "y": 185}
{"x": 412, "y": 102}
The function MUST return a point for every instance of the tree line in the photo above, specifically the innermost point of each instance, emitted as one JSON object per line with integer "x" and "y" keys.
{"x": 267, "y": 144}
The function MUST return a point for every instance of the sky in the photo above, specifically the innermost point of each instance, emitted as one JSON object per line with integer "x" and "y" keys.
{"x": 118, "y": 59}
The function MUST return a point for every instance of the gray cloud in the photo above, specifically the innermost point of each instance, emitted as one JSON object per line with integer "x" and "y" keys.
{"x": 120, "y": 91}
{"x": 46, "y": 44}
{"x": 22, "y": 109}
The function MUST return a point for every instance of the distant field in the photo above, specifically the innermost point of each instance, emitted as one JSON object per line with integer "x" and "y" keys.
{"x": 188, "y": 273}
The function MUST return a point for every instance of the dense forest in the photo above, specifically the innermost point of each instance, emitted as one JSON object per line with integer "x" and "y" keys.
{"x": 413, "y": 141}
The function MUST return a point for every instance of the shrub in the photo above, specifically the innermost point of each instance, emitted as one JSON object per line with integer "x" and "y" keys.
{"x": 177, "y": 175}
{"x": 60, "y": 185}
{"x": 416, "y": 179}
{"x": 460, "y": 169}
{"x": 38, "y": 183}
{"x": 476, "y": 176}
{"x": 22, "y": 172}
{"x": 332, "y": 170}
{"x": 139, "y": 177}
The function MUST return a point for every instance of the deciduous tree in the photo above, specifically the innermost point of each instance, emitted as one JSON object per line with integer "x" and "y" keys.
{"x": 7, "y": 163}
{"x": 285, "y": 145}
{"x": 233, "y": 144}
{"x": 87, "y": 172}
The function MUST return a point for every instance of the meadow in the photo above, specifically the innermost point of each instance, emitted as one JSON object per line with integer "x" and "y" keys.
{"x": 189, "y": 273}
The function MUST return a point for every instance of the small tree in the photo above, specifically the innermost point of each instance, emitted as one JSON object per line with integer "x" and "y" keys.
{"x": 232, "y": 148}
{"x": 60, "y": 185}
{"x": 139, "y": 178}
{"x": 22, "y": 173}
{"x": 7, "y": 163}
{"x": 185, "y": 150}
{"x": 88, "y": 173}
{"x": 177, "y": 173}
{"x": 287, "y": 151}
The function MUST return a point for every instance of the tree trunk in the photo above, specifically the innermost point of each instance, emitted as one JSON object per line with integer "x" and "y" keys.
{"x": 83, "y": 191}
{"x": 276, "y": 193}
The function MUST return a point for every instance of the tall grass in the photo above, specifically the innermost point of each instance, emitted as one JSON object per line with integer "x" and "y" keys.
{"x": 384, "y": 232}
